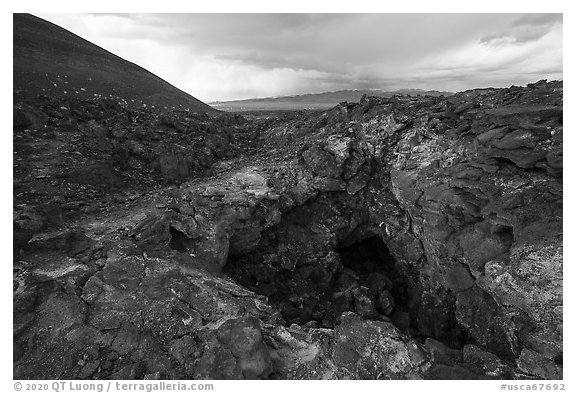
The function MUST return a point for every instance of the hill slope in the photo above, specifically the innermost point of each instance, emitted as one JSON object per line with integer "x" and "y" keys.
{"x": 52, "y": 61}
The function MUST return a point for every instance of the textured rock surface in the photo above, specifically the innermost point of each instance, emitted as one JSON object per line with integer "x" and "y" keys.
{"x": 403, "y": 237}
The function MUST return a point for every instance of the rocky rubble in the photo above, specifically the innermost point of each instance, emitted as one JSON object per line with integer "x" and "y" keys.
{"x": 75, "y": 157}
{"x": 395, "y": 238}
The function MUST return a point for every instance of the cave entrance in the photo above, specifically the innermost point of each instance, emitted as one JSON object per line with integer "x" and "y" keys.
{"x": 375, "y": 286}
{"x": 179, "y": 241}
{"x": 365, "y": 279}
{"x": 367, "y": 256}
{"x": 370, "y": 283}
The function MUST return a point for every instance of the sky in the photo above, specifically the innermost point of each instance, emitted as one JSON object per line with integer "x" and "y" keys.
{"x": 236, "y": 56}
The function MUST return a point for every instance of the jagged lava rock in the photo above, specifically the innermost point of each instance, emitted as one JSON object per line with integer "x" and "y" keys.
{"x": 402, "y": 237}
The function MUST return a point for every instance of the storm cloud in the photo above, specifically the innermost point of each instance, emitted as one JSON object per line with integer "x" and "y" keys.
{"x": 233, "y": 56}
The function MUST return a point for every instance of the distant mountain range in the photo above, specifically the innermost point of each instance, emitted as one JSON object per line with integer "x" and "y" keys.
{"x": 317, "y": 100}
{"x": 54, "y": 62}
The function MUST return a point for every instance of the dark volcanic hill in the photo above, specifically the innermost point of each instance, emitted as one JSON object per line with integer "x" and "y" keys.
{"x": 52, "y": 61}
{"x": 324, "y": 100}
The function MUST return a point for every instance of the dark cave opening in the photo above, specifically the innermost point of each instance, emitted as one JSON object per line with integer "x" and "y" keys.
{"x": 398, "y": 295}
{"x": 371, "y": 285}
{"x": 367, "y": 255}
{"x": 179, "y": 241}
{"x": 365, "y": 282}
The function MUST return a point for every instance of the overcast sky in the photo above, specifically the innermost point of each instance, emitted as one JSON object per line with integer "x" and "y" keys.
{"x": 235, "y": 56}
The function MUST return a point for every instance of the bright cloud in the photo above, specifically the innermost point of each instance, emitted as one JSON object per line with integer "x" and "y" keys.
{"x": 234, "y": 56}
